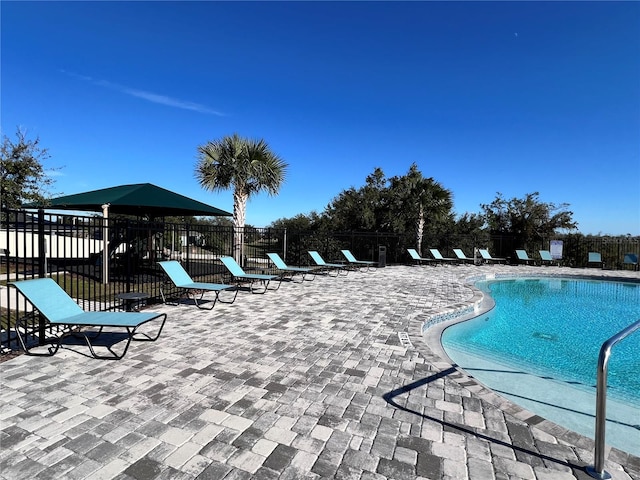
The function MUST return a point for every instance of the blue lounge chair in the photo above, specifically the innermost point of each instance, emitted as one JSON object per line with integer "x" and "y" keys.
{"x": 631, "y": 259}
{"x": 439, "y": 258}
{"x": 523, "y": 257}
{"x": 415, "y": 256}
{"x": 238, "y": 275}
{"x": 462, "y": 257}
{"x": 188, "y": 288}
{"x": 292, "y": 271}
{"x": 339, "y": 268}
{"x": 486, "y": 256}
{"x": 61, "y": 310}
{"x": 595, "y": 258}
{"x": 546, "y": 258}
{"x": 362, "y": 264}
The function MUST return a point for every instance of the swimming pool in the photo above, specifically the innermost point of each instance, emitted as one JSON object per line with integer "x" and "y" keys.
{"x": 539, "y": 347}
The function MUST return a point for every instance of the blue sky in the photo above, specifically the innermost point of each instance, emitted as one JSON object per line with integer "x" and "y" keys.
{"x": 510, "y": 97}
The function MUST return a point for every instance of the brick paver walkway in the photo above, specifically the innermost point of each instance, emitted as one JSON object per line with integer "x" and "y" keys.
{"x": 326, "y": 379}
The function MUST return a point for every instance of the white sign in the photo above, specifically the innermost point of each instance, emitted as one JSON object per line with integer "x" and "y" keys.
{"x": 556, "y": 249}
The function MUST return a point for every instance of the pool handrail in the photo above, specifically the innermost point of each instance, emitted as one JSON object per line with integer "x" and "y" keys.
{"x": 598, "y": 471}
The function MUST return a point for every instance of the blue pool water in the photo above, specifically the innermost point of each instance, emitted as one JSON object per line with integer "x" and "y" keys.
{"x": 552, "y": 328}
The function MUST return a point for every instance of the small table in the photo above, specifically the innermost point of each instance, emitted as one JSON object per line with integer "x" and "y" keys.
{"x": 132, "y": 300}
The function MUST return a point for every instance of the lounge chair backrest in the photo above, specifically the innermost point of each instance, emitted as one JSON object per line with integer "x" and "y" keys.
{"x": 484, "y": 253}
{"x": 414, "y": 254}
{"x": 348, "y": 255}
{"x": 232, "y": 266}
{"x": 546, "y": 255}
{"x": 630, "y": 258}
{"x": 595, "y": 257}
{"x": 522, "y": 255}
{"x": 176, "y": 272}
{"x": 277, "y": 261}
{"x": 316, "y": 257}
{"x": 436, "y": 253}
{"x": 49, "y": 298}
{"x": 459, "y": 253}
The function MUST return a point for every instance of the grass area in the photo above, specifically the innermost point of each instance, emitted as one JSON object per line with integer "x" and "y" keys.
{"x": 89, "y": 290}
{"x": 8, "y": 318}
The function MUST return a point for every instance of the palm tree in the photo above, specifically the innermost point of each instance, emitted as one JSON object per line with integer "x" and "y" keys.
{"x": 434, "y": 203}
{"x": 418, "y": 202}
{"x": 246, "y": 165}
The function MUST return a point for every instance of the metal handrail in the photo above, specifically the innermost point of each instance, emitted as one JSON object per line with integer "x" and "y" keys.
{"x": 598, "y": 471}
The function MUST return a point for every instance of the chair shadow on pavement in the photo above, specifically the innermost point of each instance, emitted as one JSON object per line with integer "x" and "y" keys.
{"x": 391, "y": 396}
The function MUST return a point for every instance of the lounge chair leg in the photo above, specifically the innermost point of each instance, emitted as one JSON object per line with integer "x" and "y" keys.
{"x": 195, "y": 300}
{"x": 234, "y": 297}
{"x": 274, "y": 289}
{"x": 264, "y": 290}
{"x": 145, "y": 337}
{"x": 166, "y": 301}
{"x": 132, "y": 332}
{"x": 329, "y": 270}
{"x": 21, "y": 324}
{"x": 114, "y": 355}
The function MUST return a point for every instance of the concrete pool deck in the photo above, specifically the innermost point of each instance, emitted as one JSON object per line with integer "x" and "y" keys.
{"x": 324, "y": 379}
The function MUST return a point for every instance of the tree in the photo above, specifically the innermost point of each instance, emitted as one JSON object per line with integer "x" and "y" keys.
{"x": 403, "y": 204}
{"x": 526, "y": 218}
{"x": 299, "y": 223}
{"x": 418, "y": 203}
{"x": 22, "y": 175}
{"x": 246, "y": 165}
{"x": 366, "y": 208}
{"x": 363, "y": 208}
{"x": 469, "y": 224}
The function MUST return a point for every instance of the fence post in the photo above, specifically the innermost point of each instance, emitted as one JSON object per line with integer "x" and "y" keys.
{"x": 42, "y": 273}
{"x": 284, "y": 241}
{"x": 128, "y": 254}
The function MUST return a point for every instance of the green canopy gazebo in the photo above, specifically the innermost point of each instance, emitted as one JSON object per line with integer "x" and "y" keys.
{"x": 142, "y": 200}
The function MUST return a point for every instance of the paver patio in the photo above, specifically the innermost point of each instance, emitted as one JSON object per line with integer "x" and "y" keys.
{"x": 324, "y": 379}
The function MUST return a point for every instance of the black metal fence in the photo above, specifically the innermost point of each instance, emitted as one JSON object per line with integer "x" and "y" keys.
{"x": 575, "y": 248}
{"x": 94, "y": 260}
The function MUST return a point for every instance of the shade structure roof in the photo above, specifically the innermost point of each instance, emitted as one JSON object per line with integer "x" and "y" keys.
{"x": 138, "y": 199}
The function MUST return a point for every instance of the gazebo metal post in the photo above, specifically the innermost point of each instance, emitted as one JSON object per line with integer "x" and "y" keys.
{"x": 105, "y": 243}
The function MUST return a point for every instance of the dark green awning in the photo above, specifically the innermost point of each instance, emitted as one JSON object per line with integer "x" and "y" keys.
{"x": 138, "y": 199}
